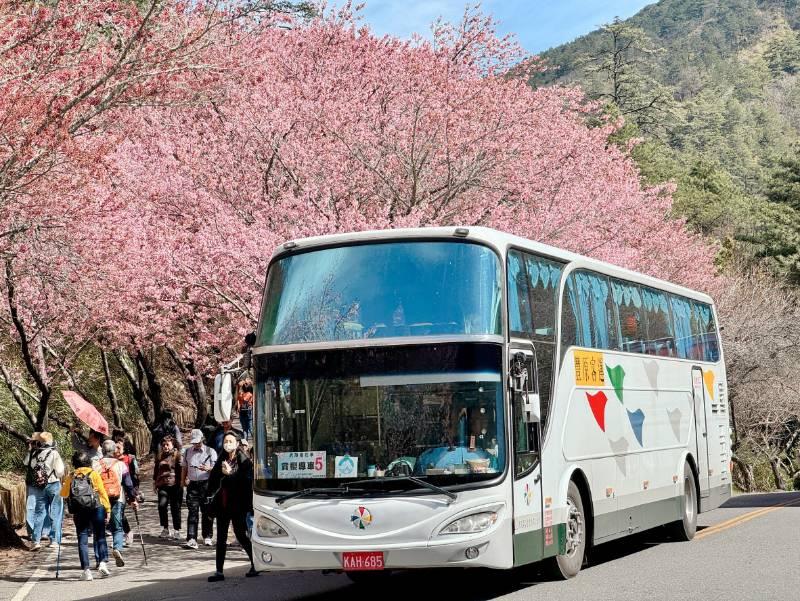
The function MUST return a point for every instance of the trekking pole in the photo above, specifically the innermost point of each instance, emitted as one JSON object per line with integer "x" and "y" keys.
{"x": 141, "y": 538}
{"x": 60, "y": 536}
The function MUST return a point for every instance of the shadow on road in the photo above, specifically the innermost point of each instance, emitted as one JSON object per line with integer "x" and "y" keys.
{"x": 468, "y": 585}
{"x": 761, "y": 499}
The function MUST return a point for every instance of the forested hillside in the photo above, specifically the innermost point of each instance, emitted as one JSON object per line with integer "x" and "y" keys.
{"x": 713, "y": 87}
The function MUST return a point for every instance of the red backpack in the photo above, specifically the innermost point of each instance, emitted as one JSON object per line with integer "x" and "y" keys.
{"x": 110, "y": 479}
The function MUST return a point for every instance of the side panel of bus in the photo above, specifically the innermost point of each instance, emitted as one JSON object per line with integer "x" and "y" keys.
{"x": 628, "y": 422}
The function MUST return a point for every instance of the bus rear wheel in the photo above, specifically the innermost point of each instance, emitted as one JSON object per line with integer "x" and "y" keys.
{"x": 562, "y": 567}
{"x": 685, "y": 528}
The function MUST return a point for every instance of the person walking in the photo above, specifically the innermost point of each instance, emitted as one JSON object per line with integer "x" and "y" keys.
{"x": 166, "y": 427}
{"x": 198, "y": 461}
{"x": 90, "y": 509}
{"x": 44, "y": 474}
{"x": 167, "y": 474}
{"x": 119, "y": 488}
{"x": 219, "y": 434}
{"x": 127, "y": 454}
{"x": 231, "y": 489}
{"x": 244, "y": 405}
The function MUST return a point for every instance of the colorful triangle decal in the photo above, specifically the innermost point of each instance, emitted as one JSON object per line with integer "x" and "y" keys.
{"x": 597, "y": 402}
{"x": 637, "y": 421}
{"x": 617, "y": 376}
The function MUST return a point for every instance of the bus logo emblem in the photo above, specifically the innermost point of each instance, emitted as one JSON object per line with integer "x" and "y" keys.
{"x": 361, "y": 518}
{"x": 527, "y": 494}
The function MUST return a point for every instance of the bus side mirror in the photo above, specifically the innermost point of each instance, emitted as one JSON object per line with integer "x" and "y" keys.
{"x": 531, "y": 407}
{"x": 518, "y": 374}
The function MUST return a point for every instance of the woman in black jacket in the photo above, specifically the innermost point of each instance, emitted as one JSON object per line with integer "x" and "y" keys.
{"x": 231, "y": 486}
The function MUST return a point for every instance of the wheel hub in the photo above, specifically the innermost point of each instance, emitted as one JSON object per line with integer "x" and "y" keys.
{"x": 574, "y": 528}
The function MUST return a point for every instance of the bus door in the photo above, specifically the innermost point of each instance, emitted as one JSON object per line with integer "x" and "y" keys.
{"x": 524, "y": 378}
{"x": 701, "y": 429}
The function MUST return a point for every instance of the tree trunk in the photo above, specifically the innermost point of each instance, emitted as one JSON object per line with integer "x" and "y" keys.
{"x": 153, "y": 384}
{"x": 743, "y": 475}
{"x": 776, "y": 473}
{"x": 137, "y": 389}
{"x": 194, "y": 385}
{"x": 110, "y": 392}
{"x": 8, "y": 536}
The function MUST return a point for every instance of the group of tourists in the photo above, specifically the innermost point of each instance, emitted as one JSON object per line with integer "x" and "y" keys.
{"x": 104, "y": 483}
{"x": 217, "y": 481}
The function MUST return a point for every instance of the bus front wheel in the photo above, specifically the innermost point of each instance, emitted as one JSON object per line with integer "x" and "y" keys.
{"x": 568, "y": 565}
{"x": 685, "y": 528}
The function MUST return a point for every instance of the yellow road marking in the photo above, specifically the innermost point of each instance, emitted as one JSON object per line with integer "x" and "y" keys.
{"x": 741, "y": 519}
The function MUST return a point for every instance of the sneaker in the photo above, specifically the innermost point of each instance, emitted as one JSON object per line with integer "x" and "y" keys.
{"x": 164, "y": 533}
{"x": 86, "y": 574}
{"x": 103, "y": 569}
{"x": 216, "y": 577}
{"x": 191, "y": 544}
{"x": 118, "y": 558}
{"x": 176, "y": 535}
{"x": 129, "y": 538}
{"x": 36, "y": 547}
{"x": 208, "y": 542}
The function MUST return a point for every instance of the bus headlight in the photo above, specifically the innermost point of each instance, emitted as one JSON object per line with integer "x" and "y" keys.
{"x": 266, "y": 528}
{"x": 470, "y": 524}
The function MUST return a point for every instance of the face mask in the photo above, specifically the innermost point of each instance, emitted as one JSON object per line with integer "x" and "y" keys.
{"x": 229, "y": 446}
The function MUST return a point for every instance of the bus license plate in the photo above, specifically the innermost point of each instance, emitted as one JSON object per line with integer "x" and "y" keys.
{"x": 362, "y": 560}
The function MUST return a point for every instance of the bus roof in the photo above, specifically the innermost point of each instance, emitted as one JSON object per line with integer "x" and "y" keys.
{"x": 497, "y": 239}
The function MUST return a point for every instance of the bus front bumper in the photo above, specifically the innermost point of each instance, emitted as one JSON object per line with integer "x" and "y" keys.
{"x": 492, "y": 552}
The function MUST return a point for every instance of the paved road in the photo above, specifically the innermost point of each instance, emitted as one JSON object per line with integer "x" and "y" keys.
{"x": 747, "y": 550}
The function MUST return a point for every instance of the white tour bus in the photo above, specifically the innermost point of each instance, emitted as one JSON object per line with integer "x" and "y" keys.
{"x": 465, "y": 397}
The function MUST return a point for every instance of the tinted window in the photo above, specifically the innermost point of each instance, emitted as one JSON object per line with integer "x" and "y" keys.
{"x": 630, "y": 310}
{"x": 532, "y": 293}
{"x": 382, "y": 290}
{"x": 588, "y": 304}
{"x": 704, "y": 331}
{"x": 660, "y": 339}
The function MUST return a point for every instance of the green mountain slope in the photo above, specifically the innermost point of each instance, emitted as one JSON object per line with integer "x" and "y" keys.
{"x": 714, "y": 88}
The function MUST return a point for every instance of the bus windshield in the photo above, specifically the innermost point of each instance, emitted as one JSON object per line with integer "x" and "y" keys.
{"x": 429, "y": 411}
{"x": 417, "y": 288}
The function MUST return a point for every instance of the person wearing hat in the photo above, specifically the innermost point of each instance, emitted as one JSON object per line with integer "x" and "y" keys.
{"x": 44, "y": 474}
{"x": 198, "y": 462}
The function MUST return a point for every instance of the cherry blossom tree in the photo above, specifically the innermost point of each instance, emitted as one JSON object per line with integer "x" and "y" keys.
{"x": 325, "y": 128}
{"x": 68, "y": 70}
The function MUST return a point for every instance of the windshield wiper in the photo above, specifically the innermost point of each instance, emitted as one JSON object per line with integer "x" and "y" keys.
{"x": 309, "y": 491}
{"x": 418, "y": 481}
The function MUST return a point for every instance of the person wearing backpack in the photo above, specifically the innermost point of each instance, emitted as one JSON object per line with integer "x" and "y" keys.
{"x": 116, "y": 480}
{"x": 126, "y": 453}
{"x": 90, "y": 509}
{"x": 45, "y": 469}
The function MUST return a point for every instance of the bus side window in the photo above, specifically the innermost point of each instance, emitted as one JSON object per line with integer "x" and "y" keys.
{"x": 660, "y": 338}
{"x": 630, "y": 312}
{"x": 589, "y": 312}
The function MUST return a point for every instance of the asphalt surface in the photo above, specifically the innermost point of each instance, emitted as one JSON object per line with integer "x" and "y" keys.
{"x": 746, "y": 550}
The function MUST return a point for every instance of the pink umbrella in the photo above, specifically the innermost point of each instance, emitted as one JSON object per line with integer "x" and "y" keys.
{"x": 86, "y": 412}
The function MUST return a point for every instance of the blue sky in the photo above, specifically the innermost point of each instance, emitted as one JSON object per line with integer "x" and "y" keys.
{"x": 537, "y": 24}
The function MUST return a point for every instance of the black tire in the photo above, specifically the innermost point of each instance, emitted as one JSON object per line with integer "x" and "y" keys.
{"x": 563, "y": 567}
{"x": 684, "y": 529}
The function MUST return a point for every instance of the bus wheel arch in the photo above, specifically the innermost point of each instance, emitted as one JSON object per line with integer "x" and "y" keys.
{"x": 582, "y": 482}
{"x": 685, "y": 527}
{"x": 695, "y": 474}
{"x": 576, "y": 497}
